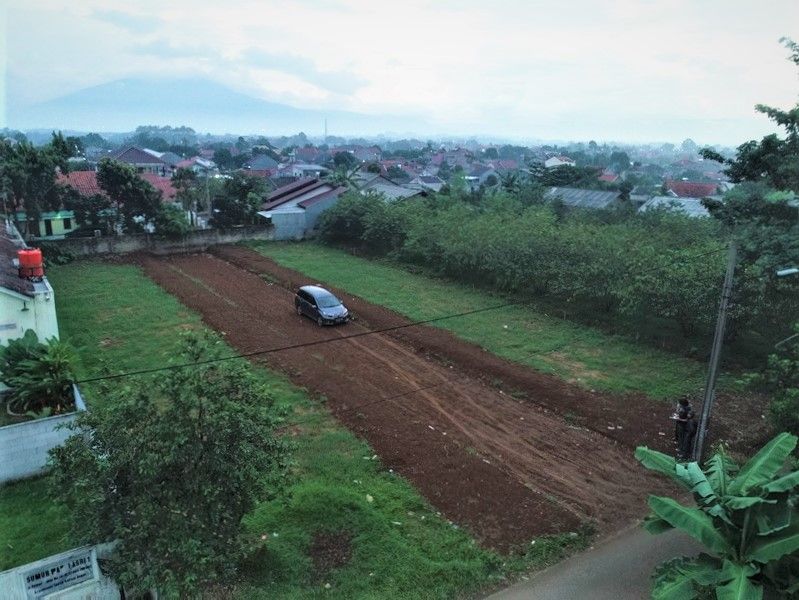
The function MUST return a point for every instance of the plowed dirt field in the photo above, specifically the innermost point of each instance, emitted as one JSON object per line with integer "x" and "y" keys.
{"x": 507, "y": 468}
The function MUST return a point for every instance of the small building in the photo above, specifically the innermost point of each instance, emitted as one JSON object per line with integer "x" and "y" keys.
{"x": 24, "y": 303}
{"x": 389, "y": 190}
{"x": 692, "y": 207}
{"x": 579, "y": 198}
{"x": 307, "y": 170}
{"x": 690, "y": 189}
{"x": 559, "y": 161}
{"x": 427, "y": 182}
{"x": 52, "y": 225}
{"x": 142, "y": 161}
{"x": 481, "y": 175}
{"x": 293, "y": 210}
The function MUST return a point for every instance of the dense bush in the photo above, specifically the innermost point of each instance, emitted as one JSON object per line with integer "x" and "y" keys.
{"x": 659, "y": 271}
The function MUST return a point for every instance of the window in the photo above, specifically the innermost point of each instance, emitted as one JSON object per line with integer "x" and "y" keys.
{"x": 67, "y": 223}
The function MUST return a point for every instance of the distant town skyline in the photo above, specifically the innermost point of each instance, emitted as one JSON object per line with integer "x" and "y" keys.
{"x": 622, "y": 71}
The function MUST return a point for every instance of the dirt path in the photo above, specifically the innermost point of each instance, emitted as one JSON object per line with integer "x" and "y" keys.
{"x": 506, "y": 468}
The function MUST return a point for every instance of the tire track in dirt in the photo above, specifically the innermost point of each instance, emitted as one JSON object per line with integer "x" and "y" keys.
{"x": 507, "y": 469}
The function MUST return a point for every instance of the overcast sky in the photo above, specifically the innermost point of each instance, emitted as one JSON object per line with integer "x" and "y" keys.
{"x": 622, "y": 70}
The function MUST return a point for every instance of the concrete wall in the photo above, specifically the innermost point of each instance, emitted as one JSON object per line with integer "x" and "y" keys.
{"x": 289, "y": 225}
{"x": 193, "y": 242}
{"x": 71, "y": 575}
{"x": 24, "y": 446}
{"x": 312, "y": 214}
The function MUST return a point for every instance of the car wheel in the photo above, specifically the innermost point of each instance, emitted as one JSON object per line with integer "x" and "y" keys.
{"x": 299, "y": 310}
{"x": 319, "y": 321}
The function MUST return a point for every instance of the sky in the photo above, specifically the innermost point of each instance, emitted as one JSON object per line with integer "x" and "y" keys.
{"x": 630, "y": 71}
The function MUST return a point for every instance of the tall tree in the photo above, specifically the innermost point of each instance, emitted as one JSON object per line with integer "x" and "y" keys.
{"x": 28, "y": 175}
{"x": 135, "y": 199}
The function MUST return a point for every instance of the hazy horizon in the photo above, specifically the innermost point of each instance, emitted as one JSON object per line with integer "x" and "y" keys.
{"x": 629, "y": 73}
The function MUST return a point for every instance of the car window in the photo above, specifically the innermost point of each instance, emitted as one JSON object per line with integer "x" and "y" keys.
{"x": 327, "y": 301}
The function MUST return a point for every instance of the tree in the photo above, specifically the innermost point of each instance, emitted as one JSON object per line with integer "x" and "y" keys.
{"x": 491, "y": 153}
{"x": 773, "y": 160}
{"x": 171, "y": 221}
{"x": 136, "y": 200}
{"x": 397, "y": 174}
{"x": 746, "y": 518}
{"x": 239, "y": 201}
{"x": 782, "y": 377}
{"x": 169, "y": 469}
{"x": 91, "y": 212}
{"x": 29, "y": 174}
{"x": 345, "y": 160}
{"x": 185, "y": 184}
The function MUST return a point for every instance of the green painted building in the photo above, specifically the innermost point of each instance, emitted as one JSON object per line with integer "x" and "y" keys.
{"x": 51, "y": 225}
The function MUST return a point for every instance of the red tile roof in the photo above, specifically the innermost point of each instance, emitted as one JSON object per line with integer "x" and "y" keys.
{"x": 85, "y": 183}
{"x": 162, "y": 184}
{"x": 691, "y": 189}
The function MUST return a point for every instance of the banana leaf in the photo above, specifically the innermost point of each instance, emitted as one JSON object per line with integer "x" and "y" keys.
{"x": 739, "y": 586}
{"x": 720, "y": 470}
{"x": 764, "y": 465}
{"x": 783, "y": 484}
{"x": 775, "y": 546}
{"x": 670, "y": 583}
{"x": 691, "y": 520}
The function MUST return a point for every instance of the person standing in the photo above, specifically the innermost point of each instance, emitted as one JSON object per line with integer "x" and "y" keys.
{"x": 685, "y": 429}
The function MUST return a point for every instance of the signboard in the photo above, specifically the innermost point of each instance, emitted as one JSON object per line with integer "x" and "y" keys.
{"x": 61, "y": 574}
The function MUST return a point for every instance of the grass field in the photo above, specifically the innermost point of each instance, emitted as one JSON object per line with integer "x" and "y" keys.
{"x": 573, "y": 352}
{"x": 399, "y": 547}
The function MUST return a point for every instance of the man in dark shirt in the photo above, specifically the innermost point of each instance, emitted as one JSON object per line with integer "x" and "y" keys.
{"x": 685, "y": 429}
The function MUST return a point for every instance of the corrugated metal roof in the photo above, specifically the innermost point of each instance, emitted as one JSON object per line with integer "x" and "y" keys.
{"x": 691, "y": 206}
{"x": 579, "y": 198}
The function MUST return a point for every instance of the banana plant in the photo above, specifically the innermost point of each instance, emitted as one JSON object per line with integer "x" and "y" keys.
{"x": 745, "y": 517}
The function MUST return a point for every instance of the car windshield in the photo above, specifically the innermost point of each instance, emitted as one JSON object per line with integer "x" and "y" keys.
{"x": 327, "y": 301}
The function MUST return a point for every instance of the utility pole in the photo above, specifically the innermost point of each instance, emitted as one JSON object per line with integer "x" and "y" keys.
{"x": 715, "y": 355}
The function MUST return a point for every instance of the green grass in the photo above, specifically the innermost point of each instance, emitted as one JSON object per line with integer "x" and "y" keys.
{"x": 31, "y": 526}
{"x": 119, "y": 320}
{"x": 576, "y": 353}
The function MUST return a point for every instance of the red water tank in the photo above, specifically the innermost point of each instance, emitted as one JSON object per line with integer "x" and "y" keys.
{"x": 30, "y": 263}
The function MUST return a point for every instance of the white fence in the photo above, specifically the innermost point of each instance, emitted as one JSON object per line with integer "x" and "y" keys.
{"x": 24, "y": 446}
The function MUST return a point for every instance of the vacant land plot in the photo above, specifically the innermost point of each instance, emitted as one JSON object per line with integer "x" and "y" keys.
{"x": 322, "y": 528}
{"x": 575, "y": 353}
{"x": 507, "y": 468}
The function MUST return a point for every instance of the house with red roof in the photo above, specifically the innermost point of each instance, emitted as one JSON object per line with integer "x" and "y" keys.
{"x": 85, "y": 183}
{"x": 690, "y": 189}
{"x": 608, "y": 176}
{"x": 294, "y": 209}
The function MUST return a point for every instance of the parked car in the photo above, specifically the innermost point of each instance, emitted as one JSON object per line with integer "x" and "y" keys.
{"x": 320, "y": 305}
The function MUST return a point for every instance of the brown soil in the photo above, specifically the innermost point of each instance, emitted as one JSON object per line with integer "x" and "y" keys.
{"x": 510, "y": 469}
{"x": 329, "y": 551}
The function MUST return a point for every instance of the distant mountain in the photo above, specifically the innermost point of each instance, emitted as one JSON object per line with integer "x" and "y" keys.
{"x": 204, "y": 105}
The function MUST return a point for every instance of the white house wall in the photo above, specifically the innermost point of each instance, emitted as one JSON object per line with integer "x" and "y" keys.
{"x": 40, "y": 316}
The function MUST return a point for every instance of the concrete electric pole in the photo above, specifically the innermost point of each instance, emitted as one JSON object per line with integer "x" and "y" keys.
{"x": 715, "y": 355}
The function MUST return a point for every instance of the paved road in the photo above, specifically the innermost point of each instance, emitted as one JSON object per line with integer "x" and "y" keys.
{"x": 617, "y": 569}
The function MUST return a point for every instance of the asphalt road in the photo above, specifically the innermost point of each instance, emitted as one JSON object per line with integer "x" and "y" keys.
{"x": 616, "y": 569}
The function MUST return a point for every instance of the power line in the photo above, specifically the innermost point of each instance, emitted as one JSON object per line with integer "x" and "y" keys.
{"x": 296, "y": 346}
